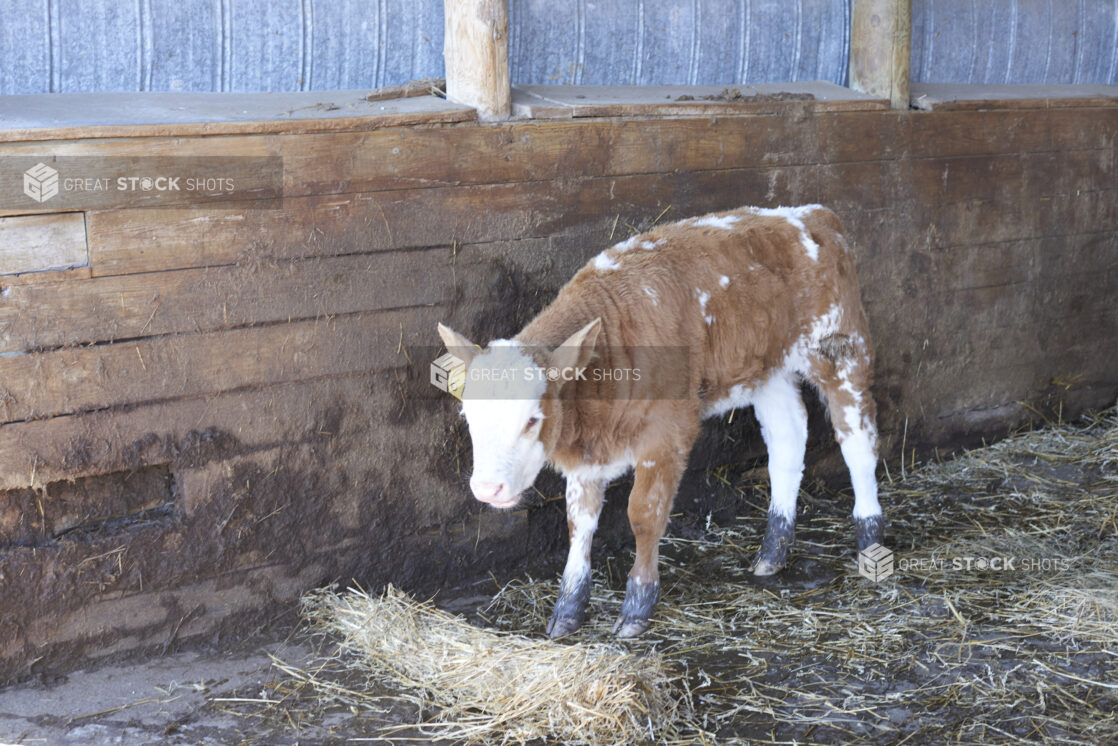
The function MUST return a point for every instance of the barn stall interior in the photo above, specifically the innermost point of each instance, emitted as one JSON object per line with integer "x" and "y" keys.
{"x": 213, "y": 407}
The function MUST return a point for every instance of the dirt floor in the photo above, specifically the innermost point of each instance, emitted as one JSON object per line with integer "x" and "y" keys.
{"x": 162, "y": 700}
{"x": 999, "y": 624}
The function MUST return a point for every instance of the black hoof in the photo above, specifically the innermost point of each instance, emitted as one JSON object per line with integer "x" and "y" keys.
{"x": 630, "y": 628}
{"x": 561, "y": 626}
{"x": 773, "y": 554}
{"x": 570, "y": 608}
{"x": 869, "y": 531}
{"x": 636, "y": 611}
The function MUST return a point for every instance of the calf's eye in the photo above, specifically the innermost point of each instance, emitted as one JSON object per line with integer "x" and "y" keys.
{"x": 532, "y": 422}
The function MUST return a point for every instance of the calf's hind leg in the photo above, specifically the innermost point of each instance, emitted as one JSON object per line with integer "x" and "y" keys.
{"x": 780, "y": 410}
{"x": 844, "y": 382}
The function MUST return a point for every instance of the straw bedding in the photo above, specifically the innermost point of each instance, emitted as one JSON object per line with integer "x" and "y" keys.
{"x": 495, "y": 686}
{"x": 999, "y": 625}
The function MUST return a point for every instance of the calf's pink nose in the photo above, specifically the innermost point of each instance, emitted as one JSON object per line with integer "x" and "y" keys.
{"x": 489, "y": 491}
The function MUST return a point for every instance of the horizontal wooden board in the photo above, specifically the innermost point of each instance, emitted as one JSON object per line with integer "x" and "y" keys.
{"x": 568, "y": 101}
{"x": 72, "y": 380}
{"x": 907, "y": 224}
{"x": 898, "y": 135}
{"x": 158, "y": 617}
{"x": 565, "y": 210}
{"x": 1087, "y": 128}
{"x": 151, "y": 304}
{"x": 88, "y": 505}
{"x": 49, "y": 277}
{"x": 542, "y": 151}
{"x": 74, "y": 116}
{"x": 952, "y": 96}
{"x": 75, "y": 446}
{"x": 40, "y": 243}
{"x": 401, "y": 159}
{"x": 1038, "y": 187}
{"x": 125, "y": 242}
{"x": 398, "y": 158}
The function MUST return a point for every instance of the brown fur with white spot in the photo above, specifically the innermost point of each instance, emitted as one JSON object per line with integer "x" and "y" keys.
{"x": 759, "y": 313}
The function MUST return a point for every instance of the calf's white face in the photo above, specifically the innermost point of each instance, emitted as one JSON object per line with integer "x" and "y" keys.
{"x": 508, "y": 452}
{"x": 503, "y": 404}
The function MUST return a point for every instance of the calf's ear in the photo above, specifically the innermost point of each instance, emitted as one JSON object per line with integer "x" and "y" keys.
{"x": 579, "y": 347}
{"x": 457, "y": 345}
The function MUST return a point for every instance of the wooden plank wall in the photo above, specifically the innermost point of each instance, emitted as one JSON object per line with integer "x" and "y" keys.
{"x": 224, "y": 408}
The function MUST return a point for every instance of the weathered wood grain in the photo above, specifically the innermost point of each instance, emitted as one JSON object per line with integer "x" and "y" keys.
{"x": 566, "y": 101}
{"x": 880, "y": 49}
{"x": 1037, "y": 190}
{"x": 125, "y": 242}
{"x": 44, "y": 316}
{"x": 405, "y": 159}
{"x": 155, "y": 617}
{"x": 35, "y": 518}
{"x": 70, "y": 380}
{"x": 76, "y": 116}
{"x": 476, "y": 52}
{"x": 949, "y": 96}
{"x": 153, "y": 304}
{"x": 40, "y": 243}
{"x": 191, "y": 429}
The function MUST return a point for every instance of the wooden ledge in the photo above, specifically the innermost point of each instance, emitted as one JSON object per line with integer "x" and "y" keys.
{"x": 954, "y": 96}
{"x": 566, "y": 102}
{"x": 76, "y": 116}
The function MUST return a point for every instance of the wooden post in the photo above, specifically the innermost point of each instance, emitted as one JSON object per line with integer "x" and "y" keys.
{"x": 476, "y": 51}
{"x": 880, "y": 45}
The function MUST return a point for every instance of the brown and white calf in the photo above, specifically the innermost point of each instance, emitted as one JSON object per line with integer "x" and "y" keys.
{"x": 762, "y": 299}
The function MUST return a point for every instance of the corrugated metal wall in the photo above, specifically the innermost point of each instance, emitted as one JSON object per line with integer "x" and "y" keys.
{"x": 1015, "y": 41}
{"x": 648, "y": 42}
{"x": 216, "y": 45}
{"x": 285, "y": 45}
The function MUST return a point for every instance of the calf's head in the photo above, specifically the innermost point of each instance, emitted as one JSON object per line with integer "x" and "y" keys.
{"x": 513, "y": 409}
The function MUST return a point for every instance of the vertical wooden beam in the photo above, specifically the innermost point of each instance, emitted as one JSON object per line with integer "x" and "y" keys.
{"x": 880, "y": 45}
{"x": 476, "y": 51}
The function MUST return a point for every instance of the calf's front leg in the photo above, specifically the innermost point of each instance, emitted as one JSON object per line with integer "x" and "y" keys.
{"x": 656, "y": 479}
{"x": 584, "y": 505}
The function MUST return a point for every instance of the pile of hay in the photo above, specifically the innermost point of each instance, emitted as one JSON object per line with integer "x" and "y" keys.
{"x": 494, "y": 687}
{"x": 933, "y": 654}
